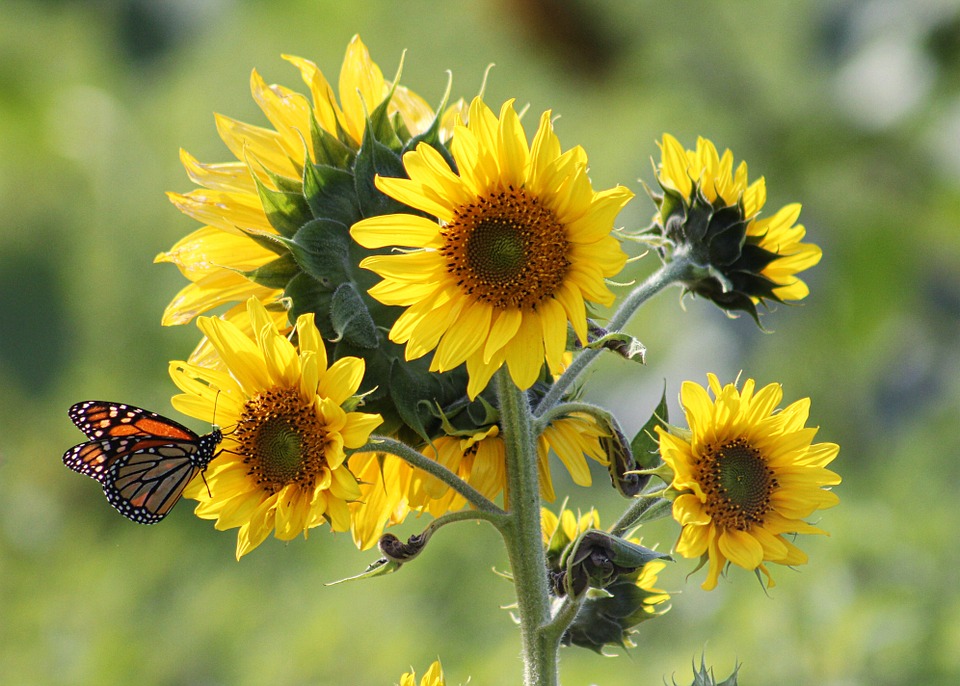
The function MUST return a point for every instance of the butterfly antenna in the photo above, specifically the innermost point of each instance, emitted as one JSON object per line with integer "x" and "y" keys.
{"x": 215, "y": 399}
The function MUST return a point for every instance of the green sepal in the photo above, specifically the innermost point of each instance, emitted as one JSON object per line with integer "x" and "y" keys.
{"x": 381, "y": 127}
{"x": 270, "y": 241}
{"x": 306, "y": 294}
{"x": 350, "y": 319}
{"x": 609, "y": 619}
{"x": 275, "y": 274}
{"x": 330, "y": 193}
{"x": 285, "y": 211}
{"x": 322, "y": 249}
{"x": 432, "y": 138}
{"x": 376, "y": 158}
{"x": 645, "y": 446}
{"x": 329, "y": 150}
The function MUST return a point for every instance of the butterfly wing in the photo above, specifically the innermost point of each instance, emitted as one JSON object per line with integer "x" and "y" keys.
{"x": 100, "y": 419}
{"x": 144, "y": 485}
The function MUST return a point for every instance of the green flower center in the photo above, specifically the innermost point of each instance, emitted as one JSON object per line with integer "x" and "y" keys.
{"x": 738, "y": 484}
{"x": 281, "y": 440}
{"x": 507, "y": 249}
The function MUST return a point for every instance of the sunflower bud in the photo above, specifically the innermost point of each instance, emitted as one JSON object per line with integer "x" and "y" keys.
{"x": 709, "y": 214}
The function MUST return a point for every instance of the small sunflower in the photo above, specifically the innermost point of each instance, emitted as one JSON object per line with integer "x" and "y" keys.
{"x": 522, "y": 244}
{"x": 711, "y": 211}
{"x": 432, "y": 677}
{"x": 747, "y": 476}
{"x": 384, "y": 483}
{"x": 222, "y": 262}
{"x": 608, "y": 619}
{"x": 283, "y": 462}
{"x": 479, "y": 458}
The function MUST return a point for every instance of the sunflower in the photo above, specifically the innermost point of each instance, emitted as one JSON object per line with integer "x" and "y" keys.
{"x": 610, "y": 618}
{"x": 522, "y": 244}
{"x": 432, "y": 677}
{"x": 232, "y": 257}
{"x": 283, "y": 463}
{"x": 479, "y": 458}
{"x": 711, "y": 211}
{"x": 384, "y": 483}
{"x": 747, "y": 475}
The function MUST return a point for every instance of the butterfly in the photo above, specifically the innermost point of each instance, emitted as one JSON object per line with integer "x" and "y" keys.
{"x": 142, "y": 459}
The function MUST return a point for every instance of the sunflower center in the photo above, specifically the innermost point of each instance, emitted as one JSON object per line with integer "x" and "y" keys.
{"x": 281, "y": 440}
{"x": 738, "y": 484}
{"x": 507, "y": 249}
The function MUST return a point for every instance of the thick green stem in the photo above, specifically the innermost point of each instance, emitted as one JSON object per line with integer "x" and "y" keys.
{"x": 522, "y": 536}
{"x": 669, "y": 273}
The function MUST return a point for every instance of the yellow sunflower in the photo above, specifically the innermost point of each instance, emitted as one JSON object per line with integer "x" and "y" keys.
{"x": 479, "y": 458}
{"x": 761, "y": 259}
{"x": 219, "y": 258}
{"x": 384, "y": 482}
{"x": 433, "y": 677}
{"x": 282, "y": 467}
{"x": 522, "y": 244}
{"x": 747, "y": 475}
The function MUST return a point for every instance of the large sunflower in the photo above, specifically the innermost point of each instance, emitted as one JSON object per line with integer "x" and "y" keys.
{"x": 221, "y": 260}
{"x": 747, "y": 475}
{"x": 522, "y": 243}
{"x": 713, "y": 211}
{"x": 289, "y": 421}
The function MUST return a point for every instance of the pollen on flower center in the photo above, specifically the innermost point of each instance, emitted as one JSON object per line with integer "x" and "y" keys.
{"x": 281, "y": 439}
{"x": 507, "y": 249}
{"x": 737, "y": 483}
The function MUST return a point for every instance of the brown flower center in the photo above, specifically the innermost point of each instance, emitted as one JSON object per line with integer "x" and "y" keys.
{"x": 281, "y": 439}
{"x": 507, "y": 249}
{"x": 738, "y": 484}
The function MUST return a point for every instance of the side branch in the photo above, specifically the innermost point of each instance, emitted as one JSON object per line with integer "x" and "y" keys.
{"x": 382, "y": 444}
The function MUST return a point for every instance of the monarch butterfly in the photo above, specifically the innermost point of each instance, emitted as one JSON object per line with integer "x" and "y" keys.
{"x": 142, "y": 459}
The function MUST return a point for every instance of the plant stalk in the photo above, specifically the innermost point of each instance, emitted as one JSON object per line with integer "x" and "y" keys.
{"x": 522, "y": 536}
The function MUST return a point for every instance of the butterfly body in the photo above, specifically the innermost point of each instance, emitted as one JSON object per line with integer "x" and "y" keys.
{"x": 142, "y": 460}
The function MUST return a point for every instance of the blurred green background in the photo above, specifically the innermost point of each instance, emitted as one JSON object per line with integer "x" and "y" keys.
{"x": 852, "y": 108}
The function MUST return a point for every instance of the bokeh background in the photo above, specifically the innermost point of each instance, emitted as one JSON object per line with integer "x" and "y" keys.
{"x": 852, "y": 108}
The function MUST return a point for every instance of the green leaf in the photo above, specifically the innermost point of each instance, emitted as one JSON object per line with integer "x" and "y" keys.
{"x": 330, "y": 193}
{"x": 624, "y": 345}
{"x": 275, "y": 274}
{"x": 350, "y": 318}
{"x": 322, "y": 248}
{"x": 381, "y": 567}
{"x": 645, "y": 446}
{"x": 413, "y": 395}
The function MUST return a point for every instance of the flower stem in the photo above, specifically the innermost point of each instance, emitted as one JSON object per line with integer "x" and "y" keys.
{"x": 383, "y": 444}
{"x": 522, "y": 536}
{"x": 669, "y": 273}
